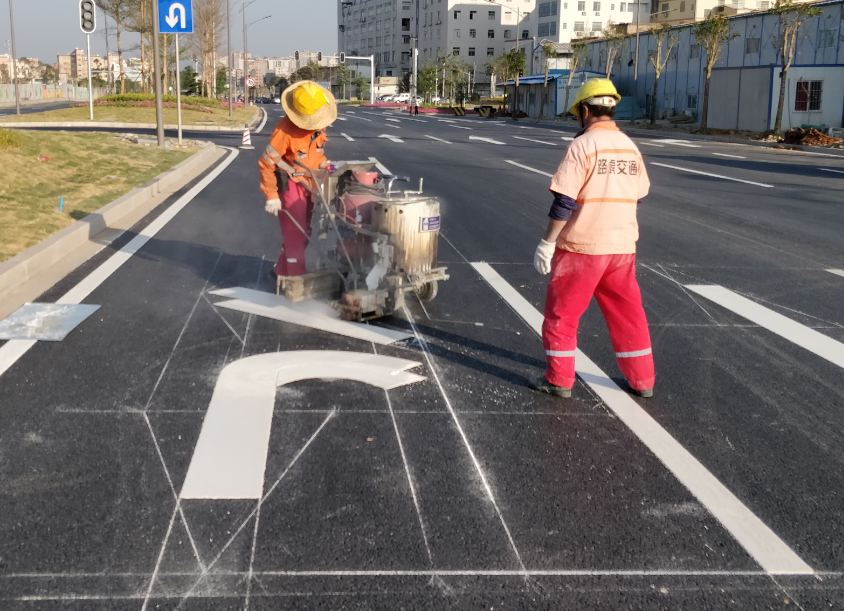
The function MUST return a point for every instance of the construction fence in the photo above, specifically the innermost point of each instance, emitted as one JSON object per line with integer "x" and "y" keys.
{"x": 36, "y": 92}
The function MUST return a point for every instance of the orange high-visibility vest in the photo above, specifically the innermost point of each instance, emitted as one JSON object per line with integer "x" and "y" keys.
{"x": 289, "y": 144}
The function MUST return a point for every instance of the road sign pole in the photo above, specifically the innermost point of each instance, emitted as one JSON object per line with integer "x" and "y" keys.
{"x": 15, "y": 61}
{"x": 178, "y": 92}
{"x": 372, "y": 89}
{"x": 230, "y": 61}
{"x": 156, "y": 68}
{"x": 90, "y": 81}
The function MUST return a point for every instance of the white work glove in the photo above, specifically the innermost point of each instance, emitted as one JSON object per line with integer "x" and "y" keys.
{"x": 273, "y": 206}
{"x": 543, "y": 256}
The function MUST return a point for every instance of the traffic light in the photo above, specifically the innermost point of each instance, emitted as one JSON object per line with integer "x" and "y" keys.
{"x": 297, "y": 56}
{"x": 87, "y": 16}
{"x": 319, "y": 56}
{"x": 342, "y": 58}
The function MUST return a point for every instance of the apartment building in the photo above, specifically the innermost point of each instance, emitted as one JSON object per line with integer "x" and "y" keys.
{"x": 565, "y": 20}
{"x": 677, "y": 12}
{"x": 381, "y": 28}
{"x": 281, "y": 66}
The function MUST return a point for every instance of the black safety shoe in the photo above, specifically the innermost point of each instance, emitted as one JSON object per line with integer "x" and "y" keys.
{"x": 645, "y": 394}
{"x": 542, "y": 385}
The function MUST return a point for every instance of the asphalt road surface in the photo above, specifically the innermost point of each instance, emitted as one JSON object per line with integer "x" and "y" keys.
{"x": 30, "y": 108}
{"x": 465, "y": 490}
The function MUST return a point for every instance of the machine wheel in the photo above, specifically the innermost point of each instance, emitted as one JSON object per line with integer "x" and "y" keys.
{"x": 428, "y": 292}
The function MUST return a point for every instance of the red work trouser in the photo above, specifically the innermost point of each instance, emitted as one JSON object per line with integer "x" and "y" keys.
{"x": 297, "y": 201}
{"x": 575, "y": 278}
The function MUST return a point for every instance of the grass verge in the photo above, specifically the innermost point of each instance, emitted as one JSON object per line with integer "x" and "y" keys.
{"x": 121, "y": 114}
{"x": 89, "y": 170}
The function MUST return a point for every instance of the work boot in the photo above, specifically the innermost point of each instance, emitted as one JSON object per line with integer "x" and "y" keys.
{"x": 645, "y": 394}
{"x": 542, "y": 385}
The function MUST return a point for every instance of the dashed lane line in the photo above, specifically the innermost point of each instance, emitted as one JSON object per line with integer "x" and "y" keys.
{"x": 528, "y": 168}
{"x": 771, "y": 552}
{"x": 396, "y": 120}
{"x": 567, "y": 138}
{"x": 661, "y": 146}
{"x": 828, "y": 170}
{"x": 392, "y": 138}
{"x": 341, "y": 119}
{"x": 438, "y": 139}
{"x": 729, "y": 156}
{"x": 459, "y": 127}
{"x": 539, "y": 141}
{"x": 488, "y": 140}
{"x": 361, "y": 118}
{"x": 684, "y": 143}
{"x": 393, "y": 126}
{"x": 805, "y": 337}
{"x": 747, "y": 182}
{"x": 348, "y": 137}
{"x": 417, "y": 120}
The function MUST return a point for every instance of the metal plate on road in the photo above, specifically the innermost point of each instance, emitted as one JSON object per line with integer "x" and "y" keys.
{"x": 175, "y": 16}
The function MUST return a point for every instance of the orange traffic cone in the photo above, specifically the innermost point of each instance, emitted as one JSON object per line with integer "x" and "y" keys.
{"x": 247, "y": 139}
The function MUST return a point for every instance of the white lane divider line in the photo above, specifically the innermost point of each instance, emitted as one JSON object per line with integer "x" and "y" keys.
{"x": 489, "y": 140}
{"x": 747, "y": 182}
{"x": 392, "y": 138}
{"x": 13, "y": 350}
{"x": 348, "y": 137}
{"x": 391, "y": 125}
{"x": 771, "y": 552}
{"x": 351, "y": 112}
{"x": 828, "y": 170}
{"x": 341, "y": 119}
{"x": 396, "y": 120}
{"x": 729, "y": 156}
{"x": 837, "y": 272}
{"x": 568, "y": 138}
{"x": 528, "y": 168}
{"x": 805, "y": 337}
{"x": 661, "y": 146}
{"x": 446, "y": 120}
{"x": 459, "y": 127}
{"x": 437, "y": 139}
{"x": 417, "y": 120}
{"x": 685, "y": 143}
{"x": 539, "y": 141}
{"x": 361, "y": 118}
{"x": 264, "y": 122}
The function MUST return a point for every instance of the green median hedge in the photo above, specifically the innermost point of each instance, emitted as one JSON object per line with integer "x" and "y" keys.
{"x": 146, "y": 97}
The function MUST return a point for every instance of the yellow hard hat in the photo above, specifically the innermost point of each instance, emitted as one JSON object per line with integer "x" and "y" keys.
{"x": 596, "y": 88}
{"x": 309, "y": 98}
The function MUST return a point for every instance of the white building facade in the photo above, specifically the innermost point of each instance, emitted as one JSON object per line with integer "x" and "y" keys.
{"x": 567, "y": 20}
{"x": 379, "y": 28}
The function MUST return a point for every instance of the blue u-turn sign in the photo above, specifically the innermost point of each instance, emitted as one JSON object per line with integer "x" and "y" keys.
{"x": 175, "y": 16}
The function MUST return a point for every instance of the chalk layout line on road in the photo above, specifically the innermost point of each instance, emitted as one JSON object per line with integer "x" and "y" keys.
{"x": 438, "y": 139}
{"x": 747, "y": 182}
{"x": 537, "y": 141}
{"x": 805, "y": 337}
{"x": 528, "y": 168}
{"x": 772, "y": 554}
{"x": 13, "y": 350}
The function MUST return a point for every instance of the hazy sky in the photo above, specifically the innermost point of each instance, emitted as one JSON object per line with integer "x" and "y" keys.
{"x": 46, "y": 28}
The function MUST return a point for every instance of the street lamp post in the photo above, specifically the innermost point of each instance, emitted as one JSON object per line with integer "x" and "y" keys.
{"x": 156, "y": 68}
{"x": 246, "y": 54}
{"x": 15, "y": 61}
{"x": 230, "y": 61}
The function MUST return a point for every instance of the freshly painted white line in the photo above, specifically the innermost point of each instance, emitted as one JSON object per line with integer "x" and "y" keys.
{"x": 311, "y": 314}
{"x": 392, "y": 138}
{"x": 772, "y": 554}
{"x": 489, "y": 140}
{"x": 729, "y": 156}
{"x": 391, "y": 125}
{"x": 528, "y": 168}
{"x": 652, "y": 144}
{"x": 459, "y": 127}
{"x": 348, "y": 137}
{"x": 396, "y": 120}
{"x": 438, "y": 139}
{"x": 748, "y": 182}
{"x": 11, "y": 351}
{"x": 231, "y": 453}
{"x": 685, "y": 143}
{"x": 805, "y": 337}
{"x": 828, "y": 170}
{"x": 539, "y": 141}
{"x": 837, "y": 272}
{"x": 263, "y": 123}
{"x": 380, "y": 166}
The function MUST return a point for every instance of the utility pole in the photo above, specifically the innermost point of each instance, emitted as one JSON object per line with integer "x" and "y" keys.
{"x": 90, "y": 81}
{"x": 156, "y": 68}
{"x": 15, "y": 61}
{"x": 231, "y": 57}
{"x": 635, "y": 67}
{"x": 178, "y": 92}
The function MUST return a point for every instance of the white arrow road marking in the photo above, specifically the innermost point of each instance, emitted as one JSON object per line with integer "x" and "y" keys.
{"x": 730, "y": 156}
{"x": 763, "y": 544}
{"x": 837, "y": 272}
{"x": 348, "y": 137}
{"x": 828, "y": 170}
{"x": 438, "y": 139}
{"x": 530, "y": 169}
{"x": 312, "y": 314}
{"x": 489, "y": 140}
{"x": 539, "y": 141}
{"x": 747, "y": 182}
{"x": 681, "y": 143}
{"x": 389, "y": 137}
{"x": 231, "y": 454}
{"x": 805, "y": 337}
{"x": 171, "y": 19}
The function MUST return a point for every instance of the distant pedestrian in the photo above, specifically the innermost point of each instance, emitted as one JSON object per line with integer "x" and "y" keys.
{"x": 589, "y": 247}
{"x": 416, "y": 109}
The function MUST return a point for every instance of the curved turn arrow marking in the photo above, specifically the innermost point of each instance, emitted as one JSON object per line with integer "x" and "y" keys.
{"x": 231, "y": 454}
{"x": 172, "y": 19}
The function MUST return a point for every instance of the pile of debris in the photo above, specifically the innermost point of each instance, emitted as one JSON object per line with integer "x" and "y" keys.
{"x": 680, "y": 119}
{"x": 809, "y": 137}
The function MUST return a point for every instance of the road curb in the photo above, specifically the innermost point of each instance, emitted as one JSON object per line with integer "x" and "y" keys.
{"x": 24, "y": 266}
{"x": 113, "y": 124}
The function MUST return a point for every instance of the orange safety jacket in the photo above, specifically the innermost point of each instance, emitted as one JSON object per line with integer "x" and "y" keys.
{"x": 604, "y": 172}
{"x": 289, "y": 144}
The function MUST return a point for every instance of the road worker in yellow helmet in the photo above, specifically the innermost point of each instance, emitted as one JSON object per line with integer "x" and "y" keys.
{"x": 596, "y": 92}
{"x": 299, "y": 138}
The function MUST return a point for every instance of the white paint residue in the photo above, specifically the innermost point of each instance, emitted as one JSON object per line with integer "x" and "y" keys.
{"x": 771, "y": 552}
{"x": 312, "y": 314}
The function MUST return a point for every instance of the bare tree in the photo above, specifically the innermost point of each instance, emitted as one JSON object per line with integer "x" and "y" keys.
{"x": 792, "y": 17}
{"x": 579, "y": 49}
{"x": 664, "y": 41}
{"x": 616, "y": 36}
{"x": 122, "y": 11}
{"x": 548, "y": 52}
{"x": 209, "y": 18}
{"x": 711, "y": 36}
